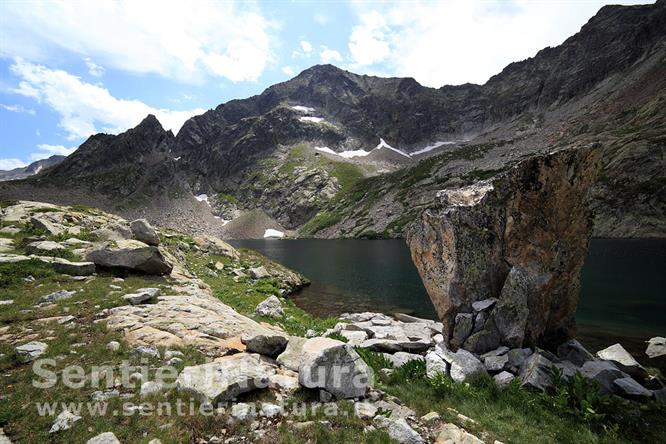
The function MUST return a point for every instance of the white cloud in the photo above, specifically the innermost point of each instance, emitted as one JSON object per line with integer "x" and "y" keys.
{"x": 368, "y": 42}
{"x": 330, "y": 55}
{"x": 181, "y": 40}
{"x": 288, "y": 70}
{"x": 94, "y": 69}
{"x": 455, "y": 42}
{"x": 17, "y": 109}
{"x": 46, "y": 150}
{"x": 306, "y": 46}
{"x": 320, "y": 19}
{"x": 85, "y": 108}
{"x": 10, "y": 164}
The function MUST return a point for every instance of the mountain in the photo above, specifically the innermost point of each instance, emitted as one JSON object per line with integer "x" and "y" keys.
{"x": 30, "y": 170}
{"x": 331, "y": 153}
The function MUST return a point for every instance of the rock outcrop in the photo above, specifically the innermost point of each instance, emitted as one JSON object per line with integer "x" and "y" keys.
{"x": 521, "y": 238}
{"x": 132, "y": 255}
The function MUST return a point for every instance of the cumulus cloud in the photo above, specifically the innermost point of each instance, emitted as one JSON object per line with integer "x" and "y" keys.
{"x": 45, "y": 150}
{"x": 455, "y": 42}
{"x": 288, "y": 70}
{"x": 10, "y": 164}
{"x": 180, "y": 40}
{"x": 17, "y": 109}
{"x": 85, "y": 108}
{"x": 306, "y": 46}
{"x": 330, "y": 55}
{"x": 94, "y": 69}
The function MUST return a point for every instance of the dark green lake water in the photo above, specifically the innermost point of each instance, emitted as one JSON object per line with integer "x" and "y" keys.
{"x": 623, "y": 294}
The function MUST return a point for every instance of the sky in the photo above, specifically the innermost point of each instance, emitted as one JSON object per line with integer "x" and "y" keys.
{"x": 70, "y": 69}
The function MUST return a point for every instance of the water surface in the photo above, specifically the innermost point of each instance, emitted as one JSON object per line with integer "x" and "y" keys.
{"x": 623, "y": 284}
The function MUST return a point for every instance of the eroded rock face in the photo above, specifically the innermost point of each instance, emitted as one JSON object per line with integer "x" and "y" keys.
{"x": 520, "y": 237}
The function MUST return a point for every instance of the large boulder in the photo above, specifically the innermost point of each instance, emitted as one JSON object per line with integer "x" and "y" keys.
{"x": 225, "y": 378}
{"x": 265, "y": 343}
{"x": 604, "y": 373}
{"x": 144, "y": 232}
{"x": 270, "y": 307}
{"x": 536, "y": 373}
{"x": 335, "y": 367}
{"x": 131, "y": 255}
{"x": 623, "y": 359}
{"x": 520, "y": 237}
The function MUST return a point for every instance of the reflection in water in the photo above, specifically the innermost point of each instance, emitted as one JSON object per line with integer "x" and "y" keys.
{"x": 623, "y": 291}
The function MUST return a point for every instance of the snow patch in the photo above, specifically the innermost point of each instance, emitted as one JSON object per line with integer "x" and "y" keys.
{"x": 202, "y": 198}
{"x": 345, "y": 154}
{"x": 177, "y": 158}
{"x": 39, "y": 168}
{"x": 325, "y": 149}
{"x": 273, "y": 234}
{"x": 303, "y": 109}
{"x": 431, "y": 147}
{"x": 383, "y": 144}
{"x": 311, "y": 119}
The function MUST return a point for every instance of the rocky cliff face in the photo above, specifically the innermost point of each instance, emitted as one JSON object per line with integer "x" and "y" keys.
{"x": 32, "y": 169}
{"x": 501, "y": 258}
{"x": 606, "y": 84}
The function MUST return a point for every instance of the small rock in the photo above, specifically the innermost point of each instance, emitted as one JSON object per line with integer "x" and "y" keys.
{"x": 142, "y": 295}
{"x": 484, "y": 304}
{"x": 151, "y": 388}
{"x": 623, "y": 359}
{"x": 656, "y": 347}
{"x": 270, "y": 307}
{"x": 145, "y": 350}
{"x": 173, "y": 354}
{"x": 270, "y": 410}
{"x": 365, "y": 410}
{"x": 242, "y": 411}
{"x": 604, "y": 372}
{"x": 64, "y": 421}
{"x": 435, "y": 364}
{"x": 7, "y": 302}
{"x": 496, "y": 363}
{"x": 259, "y": 272}
{"x": 536, "y": 373}
{"x": 104, "y": 438}
{"x": 113, "y": 346}
{"x": 573, "y": 351}
{"x": 430, "y": 418}
{"x": 452, "y": 434}
{"x": 503, "y": 378}
{"x": 31, "y": 351}
{"x": 462, "y": 363}
{"x": 265, "y": 344}
{"x": 56, "y": 296}
{"x": 629, "y": 388}
{"x": 399, "y": 430}
{"x": 105, "y": 396}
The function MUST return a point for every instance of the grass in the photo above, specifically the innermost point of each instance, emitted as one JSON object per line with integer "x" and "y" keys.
{"x": 322, "y": 220}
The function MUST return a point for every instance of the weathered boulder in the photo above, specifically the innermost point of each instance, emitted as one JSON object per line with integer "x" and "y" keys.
{"x": 604, "y": 373}
{"x": 399, "y": 359}
{"x": 214, "y": 245}
{"x": 452, "y": 434}
{"x": 43, "y": 224}
{"x": 503, "y": 378}
{"x": 270, "y": 307}
{"x": 399, "y": 430}
{"x": 132, "y": 255}
{"x": 48, "y": 248}
{"x": 573, "y": 351}
{"x": 656, "y": 348}
{"x": 496, "y": 364}
{"x": 259, "y": 272}
{"x": 462, "y": 363}
{"x": 72, "y": 268}
{"x": 629, "y": 388}
{"x": 144, "y": 232}
{"x": 142, "y": 295}
{"x": 56, "y": 296}
{"x": 225, "y": 378}
{"x": 435, "y": 364}
{"x": 290, "y": 358}
{"x": 520, "y": 237}
{"x": 624, "y": 361}
{"x": 335, "y": 367}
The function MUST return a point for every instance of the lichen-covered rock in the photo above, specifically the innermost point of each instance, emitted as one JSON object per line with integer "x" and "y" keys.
{"x": 270, "y": 307}
{"x": 532, "y": 219}
{"x": 131, "y": 255}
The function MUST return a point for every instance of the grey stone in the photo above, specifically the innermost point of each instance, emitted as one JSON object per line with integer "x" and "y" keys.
{"x": 496, "y": 364}
{"x": 144, "y": 232}
{"x": 430, "y": 418}
{"x": 511, "y": 311}
{"x": 484, "y": 304}
{"x": 399, "y": 359}
{"x": 259, "y": 272}
{"x": 484, "y": 340}
{"x": 270, "y": 410}
{"x": 113, "y": 346}
{"x": 623, "y": 359}
{"x": 131, "y": 255}
{"x": 266, "y": 344}
{"x": 365, "y": 410}
{"x": 603, "y": 372}
{"x": 656, "y": 347}
{"x": 628, "y": 388}
{"x": 41, "y": 223}
{"x": 452, "y": 434}
{"x": 499, "y": 351}
{"x": 242, "y": 411}
{"x": 462, "y": 363}
{"x": 225, "y": 378}
{"x": 64, "y": 421}
{"x": 435, "y": 364}
{"x": 335, "y": 367}
{"x": 142, "y": 295}
{"x": 464, "y": 324}
{"x": 517, "y": 356}
{"x": 290, "y": 358}
{"x": 573, "y": 351}
{"x": 536, "y": 373}
{"x": 399, "y": 430}
{"x": 64, "y": 266}
{"x": 45, "y": 248}
{"x": 144, "y": 350}
{"x": 56, "y": 296}
{"x": 270, "y": 307}
{"x": 150, "y": 388}
{"x": 503, "y": 378}
{"x": 30, "y": 351}
{"x": 104, "y": 438}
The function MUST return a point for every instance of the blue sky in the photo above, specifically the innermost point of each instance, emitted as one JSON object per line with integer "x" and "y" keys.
{"x": 71, "y": 69}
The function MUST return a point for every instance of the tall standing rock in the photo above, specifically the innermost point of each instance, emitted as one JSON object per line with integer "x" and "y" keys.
{"x": 520, "y": 237}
